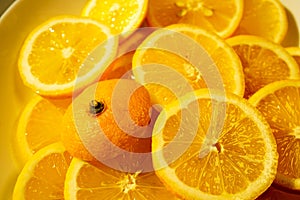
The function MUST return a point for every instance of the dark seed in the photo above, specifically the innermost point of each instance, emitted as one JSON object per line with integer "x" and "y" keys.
{"x": 96, "y": 107}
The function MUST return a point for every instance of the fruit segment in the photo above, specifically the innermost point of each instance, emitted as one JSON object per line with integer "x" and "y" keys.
{"x": 264, "y": 18}
{"x": 58, "y": 56}
{"x": 84, "y": 180}
{"x": 217, "y": 16}
{"x": 44, "y": 174}
{"x": 212, "y": 146}
{"x": 279, "y": 103}
{"x": 39, "y": 125}
{"x": 181, "y": 58}
{"x": 121, "y": 16}
{"x": 263, "y": 62}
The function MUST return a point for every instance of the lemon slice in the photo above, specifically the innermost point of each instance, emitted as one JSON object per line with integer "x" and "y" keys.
{"x": 180, "y": 58}
{"x": 264, "y": 18}
{"x": 263, "y": 62}
{"x": 121, "y": 16}
{"x": 84, "y": 180}
{"x": 279, "y": 102}
{"x": 39, "y": 125}
{"x": 212, "y": 146}
{"x": 43, "y": 175}
{"x": 54, "y": 57}
{"x": 217, "y": 16}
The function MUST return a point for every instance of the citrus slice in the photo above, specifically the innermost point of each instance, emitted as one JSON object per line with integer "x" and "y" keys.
{"x": 217, "y": 16}
{"x": 213, "y": 146}
{"x": 279, "y": 102}
{"x": 200, "y": 57}
{"x": 86, "y": 181}
{"x": 52, "y": 56}
{"x": 39, "y": 125}
{"x": 263, "y": 62}
{"x": 120, "y": 15}
{"x": 265, "y": 18}
{"x": 295, "y": 52}
{"x": 43, "y": 175}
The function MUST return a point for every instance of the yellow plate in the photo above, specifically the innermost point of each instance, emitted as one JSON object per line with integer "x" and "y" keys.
{"x": 15, "y": 23}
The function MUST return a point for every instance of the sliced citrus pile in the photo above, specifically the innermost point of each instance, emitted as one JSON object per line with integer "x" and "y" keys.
{"x": 279, "y": 102}
{"x": 86, "y": 181}
{"x": 180, "y": 58}
{"x": 119, "y": 68}
{"x": 105, "y": 115}
{"x": 263, "y": 62}
{"x": 52, "y": 56}
{"x": 265, "y": 18}
{"x": 43, "y": 175}
{"x": 120, "y": 15}
{"x": 214, "y": 15}
{"x": 94, "y": 130}
{"x": 40, "y": 124}
{"x": 295, "y": 52}
{"x": 213, "y": 146}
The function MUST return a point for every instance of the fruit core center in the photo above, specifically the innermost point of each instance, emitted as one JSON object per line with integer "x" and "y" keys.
{"x": 67, "y": 52}
{"x": 218, "y": 147}
{"x": 192, "y": 5}
{"x": 211, "y": 147}
{"x": 128, "y": 183}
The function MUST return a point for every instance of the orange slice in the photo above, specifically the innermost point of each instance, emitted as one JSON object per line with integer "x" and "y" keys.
{"x": 52, "y": 56}
{"x": 86, "y": 181}
{"x": 120, "y": 15}
{"x": 265, "y": 18}
{"x": 39, "y": 125}
{"x": 295, "y": 52}
{"x": 213, "y": 15}
{"x": 182, "y": 55}
{"x": 279, "y": 102}
{"x": 43, "y": 175}
{"x": 213, "y": 146}
{"x": 263, "y": 62}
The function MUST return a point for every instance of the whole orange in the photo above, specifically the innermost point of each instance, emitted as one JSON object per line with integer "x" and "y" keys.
{"x": 107, "y": 119}
{"x": 119, "y": 68}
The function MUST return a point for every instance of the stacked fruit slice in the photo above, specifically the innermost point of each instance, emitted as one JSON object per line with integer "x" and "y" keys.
{"x": 39, "y": 125}
{"x": 201, "y": 159}
{"x": 263, "y": 62}
{"x": 44, "y": 174}
{"x": 186, "y": 55}
{"x": 279, "y": 103}
{"x": 59, "y": 44}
